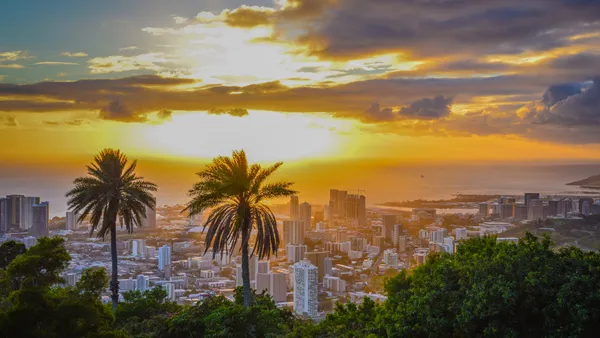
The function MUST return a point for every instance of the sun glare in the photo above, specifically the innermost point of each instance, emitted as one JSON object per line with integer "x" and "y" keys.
{"x": 265, "y": 136}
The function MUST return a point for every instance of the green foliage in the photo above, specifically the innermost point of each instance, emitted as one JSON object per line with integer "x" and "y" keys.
{"x": 144, "y": 314}
{"x": 32, "y": 305}
{"x": 9, "y": 250}
{"x": 40, "y": 266}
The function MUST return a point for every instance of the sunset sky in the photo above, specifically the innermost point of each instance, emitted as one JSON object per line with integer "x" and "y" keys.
{"x": 343, "y": 83}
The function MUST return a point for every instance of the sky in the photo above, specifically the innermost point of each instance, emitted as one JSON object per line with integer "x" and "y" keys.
{"x": 315, "y": 83}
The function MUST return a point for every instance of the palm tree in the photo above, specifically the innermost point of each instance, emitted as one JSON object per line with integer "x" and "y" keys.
{"x": 111, "y": 190}
{"x": 236, "y": 193}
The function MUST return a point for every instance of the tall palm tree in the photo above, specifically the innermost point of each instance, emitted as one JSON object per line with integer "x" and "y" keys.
{"x": 111, "y": 190}
{"x": 236, "y": 193}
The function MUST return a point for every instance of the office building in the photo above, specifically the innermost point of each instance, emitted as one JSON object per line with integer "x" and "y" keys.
{"x": 127, "y": 285}
{"x": 390, "y": 258}
{"x": 585, "y": 206}
{"x": 295, "y": 252}
{"x": 293, "y": 232}
{"x": 484, "y": 209}
{"x": 529, "y": 197}
{"x": 358, "y": 243}
{"x": 71, "y": 220}
{"x": 278, "y": 287}
{"x": 388, "y": 226}
{"x": 337, "y": 203}
{"x": 507, "y": 200}
{"x": 437, "y": 236}
{"x": 263, "y": 281}
{"x": 149, "y": 219}
{"x": 402, "y": 243}
{"x": 306, "y": 278}
{"x": 306, "y": 215}
{"x": 507, "y": 210}
{"x": 565, "y": 206}
{"x": 334, "y": 284}
{"x": 521, "y": 211}
{"x": 553, "y": 207}
{"x": 40, "y": 219}
{"x": 170, "y": 288}
{"x": 535, "y": 210}
{"x": 143, "y": 283}
{"x": 262, "y": 267}
{"x": 328, "y": 262}
{"x": 460, "y": 233}
{"x": 138, "y": 247}
{"x": 13, "y": 211}
{"x": 317, "y": 258}
{"x": 355, "y": 212}
{"x": 396, "y": 233}
{"x": 294, "y": 208}
{"x": 3, "y": 215}
{"x": 164, "y": 257}
{"x": 337, "y": 248}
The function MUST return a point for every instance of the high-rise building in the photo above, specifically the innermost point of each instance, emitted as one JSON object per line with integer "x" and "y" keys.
{"x": 362, "y": 210}
{"x": 484, "y": 209}
{"x": 262, "y": 267}
{"x": 520, "y": 212}
{"x": 461, "y": 233}
{"x": 278, "y": 287}
{"x": 530, "y": 196}
{"x": 29, "y": 241}
{"x": 402, "y": 242}
{"x": 565, "y": 206}
{"x": 334, "y": 284}
{"x": 40, "y": 218}
{"x": 306, "y": 215}
{"x": 306, "y": 278}
{"x": 3, "y": 215}
{"x": 388, "y": 226}
{"x": 164, "y": 257}
{"x": 507, "y": 200}
{"x": 328, "y": 266}
{"x": 293, "y": 232}
{"x": 295, "y": 252}
{"x": 26, "y": 211}
{"x": 585, "y": 205}
{"x": 553, "y": 207}
{"x": 507, "y": 210}
{"x": 170, "y": 288}
{"x": 358, "y": 243}
{"x": 535, "y": 210}
{"x": 71, "y": 279}
{"x": 138, "y": 247}
{"x": 238, "y": 276}
{"x": 149, "y": 221}
{"x": 449, "y": 245}
{"x": 71, "y": 220}
{"x": 396, "y": 233}
{"x": 437, "y": 236}
{"x": 253, "y": 267}
{"x": 127, "y": 284}
{"x": 263, "y": 281}
{"x": 294, "y": 208}
{"x": 390, "y": 258}
{"x": 317, "y": 258}
{"x": 143, "y": 283}
{"x": 13, "y": 211}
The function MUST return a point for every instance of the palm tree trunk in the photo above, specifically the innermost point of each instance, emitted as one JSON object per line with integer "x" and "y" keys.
{"x": 246, "y": 268}
{"x": 114, "y": 283}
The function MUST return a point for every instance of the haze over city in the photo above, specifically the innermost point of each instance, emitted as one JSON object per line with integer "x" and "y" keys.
{"x": 308, "y": 168}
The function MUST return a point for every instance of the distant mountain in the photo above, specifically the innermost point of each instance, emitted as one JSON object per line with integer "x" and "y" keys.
{"x": 592, "y": 181}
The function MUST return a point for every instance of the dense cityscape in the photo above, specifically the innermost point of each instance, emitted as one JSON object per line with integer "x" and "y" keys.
{"x": 337, "y": 252}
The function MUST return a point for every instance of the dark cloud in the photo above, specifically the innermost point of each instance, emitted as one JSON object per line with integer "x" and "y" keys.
{"x": 238, "y": 112}
{"x": 249, "y": 16}
{"x": 375, "y": 113}
{"x": 8, "y": 121}
{"x": 578, "y": 109}
{"x": 76, "y": 122}
{"x": 118, "y": 111}
{"x": 348, "y": 29}
{"x": 427, "y": 108}
{"x": 557, "y": 93}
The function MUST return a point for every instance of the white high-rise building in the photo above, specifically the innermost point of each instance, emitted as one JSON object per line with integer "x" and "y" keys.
{"x": 449, "y": 245}
{"x": 170, "y": 288}
{"x": 294, "y": 208}
{"x": 138, "y": 247}
{"x": 143, "y": 283}
{"x": 295, "y": 252}
{"x": 461, "y": 233}
{"x": 437, "y": 236}
{"x": 390, "y": 258}
{"x": 334, "y": 284}
{"x": 71, "y": 220}
{"x": 71, "y": 279}
{"x": 306, "y": 279}
{"x": 164, "y": 257}
{"x": 127, "y": 285}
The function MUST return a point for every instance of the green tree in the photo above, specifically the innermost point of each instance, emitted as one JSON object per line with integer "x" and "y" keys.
{"x": 9, "y": 250}
{"x": 236, "y": 192}
{"x": 143, "y": 314}
{"x": 111, "y": 190}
